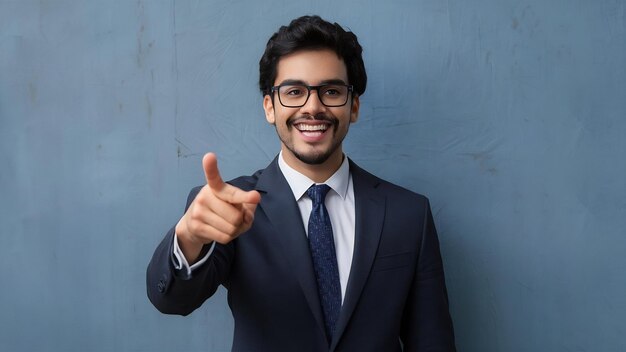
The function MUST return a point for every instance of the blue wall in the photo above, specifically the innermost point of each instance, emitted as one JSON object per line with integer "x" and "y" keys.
{"x": 509, "y": 114}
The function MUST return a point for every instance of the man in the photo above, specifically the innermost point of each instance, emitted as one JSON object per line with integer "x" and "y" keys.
{"x": 316, "y": 253}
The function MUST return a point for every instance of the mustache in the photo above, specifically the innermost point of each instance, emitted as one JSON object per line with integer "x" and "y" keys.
{"x": 319, "y": 117}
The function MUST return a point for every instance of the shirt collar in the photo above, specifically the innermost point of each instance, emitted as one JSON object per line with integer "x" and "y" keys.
{"x": 299, "y": 183}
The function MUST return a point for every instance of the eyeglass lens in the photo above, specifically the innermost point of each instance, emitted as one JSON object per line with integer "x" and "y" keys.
{"x": 297, "y": 95}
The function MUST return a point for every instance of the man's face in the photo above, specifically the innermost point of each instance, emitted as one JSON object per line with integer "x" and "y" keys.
{"x": 311, "y": 134}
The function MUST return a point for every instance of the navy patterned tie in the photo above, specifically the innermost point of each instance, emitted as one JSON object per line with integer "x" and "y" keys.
{"x": 322, "y": 247}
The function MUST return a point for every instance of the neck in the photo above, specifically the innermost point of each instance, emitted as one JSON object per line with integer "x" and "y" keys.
{"x": 318, "y": 173}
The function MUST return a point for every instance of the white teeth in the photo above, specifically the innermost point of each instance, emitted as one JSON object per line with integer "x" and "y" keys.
{"x": 304, "y": 127}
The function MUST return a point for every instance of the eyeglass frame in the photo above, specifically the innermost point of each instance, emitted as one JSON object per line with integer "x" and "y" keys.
{"x": 309, "y": 88}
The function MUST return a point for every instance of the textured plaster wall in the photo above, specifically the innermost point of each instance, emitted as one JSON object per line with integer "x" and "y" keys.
{"x": 510, "y": 115}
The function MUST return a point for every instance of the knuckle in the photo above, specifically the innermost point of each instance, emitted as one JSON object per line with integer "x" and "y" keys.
{"x": 232, "y": 229}
{"x": 204, "y": 195}
{"x": 223, "y": 239}
{"x": 195, "y": 213}
{"x": 238, "y": 219}
{"x": 200, "y": 197}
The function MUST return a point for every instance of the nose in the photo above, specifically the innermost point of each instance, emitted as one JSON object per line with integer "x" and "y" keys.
{"x": 313, "y": 105}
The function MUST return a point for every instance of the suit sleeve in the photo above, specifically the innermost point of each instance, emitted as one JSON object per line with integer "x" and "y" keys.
{"x": 427, "y": 325}
{"x": 172, "y": 291}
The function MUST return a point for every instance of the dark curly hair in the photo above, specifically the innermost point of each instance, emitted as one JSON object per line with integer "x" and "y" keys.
{"x": 312, "y": 32}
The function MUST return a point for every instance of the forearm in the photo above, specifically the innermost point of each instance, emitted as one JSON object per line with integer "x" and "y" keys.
{"x": 174, "y": 291}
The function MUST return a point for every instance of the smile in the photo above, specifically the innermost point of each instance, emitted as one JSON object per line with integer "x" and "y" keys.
{"x": 303, "y": 127}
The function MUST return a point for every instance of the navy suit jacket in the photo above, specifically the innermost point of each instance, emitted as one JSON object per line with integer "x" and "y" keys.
{"x": 395, "y": 298}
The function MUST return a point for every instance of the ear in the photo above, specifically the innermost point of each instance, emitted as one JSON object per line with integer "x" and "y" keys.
{"x": 354, "y": 109}
{"x": 268, "y": 106}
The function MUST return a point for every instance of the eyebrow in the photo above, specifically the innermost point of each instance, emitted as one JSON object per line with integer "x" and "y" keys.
{"x": 301, "y": 82}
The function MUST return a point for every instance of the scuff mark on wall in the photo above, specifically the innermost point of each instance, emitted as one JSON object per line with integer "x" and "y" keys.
{"x": 483, "y": 158}
{"x": 140, "y": 46}
{"x": 149, "y": 110}
{"x": 32, "y": 90}
{"x": 182, "y": 151}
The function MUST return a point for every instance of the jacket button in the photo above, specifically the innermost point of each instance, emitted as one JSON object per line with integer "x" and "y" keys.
{"x": 161, "y": 286}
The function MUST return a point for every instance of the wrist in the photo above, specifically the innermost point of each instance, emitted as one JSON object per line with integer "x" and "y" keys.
{"x": 188, "y": 244}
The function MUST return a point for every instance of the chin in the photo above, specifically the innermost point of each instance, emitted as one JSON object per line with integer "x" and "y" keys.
{"x": 314, "y": 158}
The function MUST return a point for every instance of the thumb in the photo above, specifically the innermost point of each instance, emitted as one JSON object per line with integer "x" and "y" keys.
{"x": 211, "y": 172}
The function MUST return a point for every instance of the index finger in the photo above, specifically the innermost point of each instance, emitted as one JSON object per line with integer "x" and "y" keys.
{"x": 211, "y": 172}
{"x": 222, "y": 190}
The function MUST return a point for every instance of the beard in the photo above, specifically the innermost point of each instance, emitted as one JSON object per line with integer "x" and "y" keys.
{"x": 318, "y": 157}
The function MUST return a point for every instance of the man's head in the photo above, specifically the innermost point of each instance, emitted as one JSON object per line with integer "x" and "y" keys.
{"x": 313, "y": 33}
{"x": 312, "y": 75}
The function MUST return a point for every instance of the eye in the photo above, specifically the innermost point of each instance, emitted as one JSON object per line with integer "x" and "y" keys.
{"x": 293, "y": 91}
{"x": 333, "y": 90}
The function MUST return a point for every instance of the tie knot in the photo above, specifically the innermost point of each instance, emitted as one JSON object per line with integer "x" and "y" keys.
{"x": 317, "y": 193}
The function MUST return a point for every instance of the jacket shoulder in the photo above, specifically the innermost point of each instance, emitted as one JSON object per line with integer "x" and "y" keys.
{"x": 386, "y": 187}
{"x": 246, "y": 183}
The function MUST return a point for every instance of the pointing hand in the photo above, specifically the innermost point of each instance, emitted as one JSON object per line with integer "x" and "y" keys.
{"x": 220, "y": 212}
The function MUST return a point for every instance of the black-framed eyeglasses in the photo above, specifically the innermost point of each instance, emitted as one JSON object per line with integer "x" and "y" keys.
{"x": 296, "y": 95}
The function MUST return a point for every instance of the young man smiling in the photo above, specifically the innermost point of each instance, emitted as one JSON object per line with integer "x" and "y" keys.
{"x": 311, "y": 135}
{"x": 316, "y": 253}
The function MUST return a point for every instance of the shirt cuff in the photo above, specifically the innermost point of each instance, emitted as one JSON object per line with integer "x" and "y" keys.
{"x": 180, "y": 262}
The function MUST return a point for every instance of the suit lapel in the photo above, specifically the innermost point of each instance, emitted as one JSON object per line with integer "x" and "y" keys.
{"x": 370, "y": 214}
{"x": 279, "y": 205}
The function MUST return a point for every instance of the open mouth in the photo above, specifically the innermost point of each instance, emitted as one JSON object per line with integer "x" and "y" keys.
{"x": 312, "y": 130}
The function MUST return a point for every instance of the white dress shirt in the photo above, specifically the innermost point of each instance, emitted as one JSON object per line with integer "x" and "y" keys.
{"x": 341, "y": 209}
